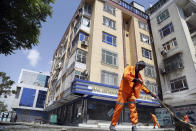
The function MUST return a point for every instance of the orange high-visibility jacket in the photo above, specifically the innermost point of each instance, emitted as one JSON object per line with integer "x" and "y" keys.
{"x": 127, "y": 84}
{"x": 154, "y": 118}
{"x": 186, "y": 118}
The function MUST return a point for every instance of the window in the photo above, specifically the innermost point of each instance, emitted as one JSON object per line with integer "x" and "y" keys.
{"x": 41, "y": 99}
{"x": 152, "y": 87}
{"x": 109, "y": 58}
{"x": 149, "y": 71}
{"x": 86, "y": 22}
{"x": 170, "y": 45}
{"x": 143, "y": 25}
{"x": 108, "y": 22}
{"x": 144, "y": 38}
{"x": 83, "y": 36}
{"x": 27, "y": 97}
{"x": 81, "y": 56}
{"x": 87, "y": 9}
{"x": 109, "y": 9}
{"x": 163, "y": 16}
{"x": 109, "y": 78}
{"x": 173, "y": 63}
{"x": 109, "y": 39}
{"x": 166, "y": 30}
{"x": 79, "y": 75}
{"x": 146, "y": 53}
{"x": 179, "y": 84}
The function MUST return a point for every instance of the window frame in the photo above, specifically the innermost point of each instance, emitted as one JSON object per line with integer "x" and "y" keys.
{"x": 111, "y": 23}
{"x": 143, "y": 36}
{"x": 108, "y": 78}
{"x": 109, "y": 9}
{"x": 144, "y": 55}
{"x": 184, "y": 84}
{"x": 105, "y": 37}
{"x": 164, "y": 31}
{"x": 105, "y": 54}
{"x": 81, "y": 58}
{"x": 152, "y": 71}
{"x": 145, "y": 25}
{"x": 170, "y": 45}
{"x": 164, "y": 13}
{"x": 173, "y": 63}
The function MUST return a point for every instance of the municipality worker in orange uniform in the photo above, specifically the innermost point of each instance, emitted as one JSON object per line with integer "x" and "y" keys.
{"x": 186, "y": 118}
{"x": 129, "y": 90}
{"x": 155, "y": 121}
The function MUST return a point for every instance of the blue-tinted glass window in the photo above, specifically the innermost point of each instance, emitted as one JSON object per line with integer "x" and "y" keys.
{"x": 41, "y": 99}
{"x": 83, "y": 36}
{"x": 27, "y": 98}
{"x": 109, "y": 39}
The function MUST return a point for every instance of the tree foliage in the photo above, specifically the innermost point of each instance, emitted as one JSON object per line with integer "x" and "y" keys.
{"x": 5, "y": 85}
{"x": 20, "y": 23}
{"x": 3, "y": 107}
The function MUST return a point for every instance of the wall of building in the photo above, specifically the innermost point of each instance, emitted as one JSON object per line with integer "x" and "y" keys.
{"x": 95, "y": 54}
{"x": 184, "y": 46}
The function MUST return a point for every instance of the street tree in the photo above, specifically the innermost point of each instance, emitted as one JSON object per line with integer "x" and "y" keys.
{"x": 3, "y": 107}
{"x": 20, "y": 23}
{"x": 6, "y": 85}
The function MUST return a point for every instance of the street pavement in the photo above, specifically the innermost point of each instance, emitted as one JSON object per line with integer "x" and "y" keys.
{"x": 21, "y": 126}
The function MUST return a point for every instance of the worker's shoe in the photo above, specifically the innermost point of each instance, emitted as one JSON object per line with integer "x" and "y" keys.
{"x": 134, "y": 128}
{"x": 112, "y": 128}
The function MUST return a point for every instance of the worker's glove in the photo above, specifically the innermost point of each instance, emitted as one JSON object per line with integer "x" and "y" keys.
{"x": 137, "y": 80}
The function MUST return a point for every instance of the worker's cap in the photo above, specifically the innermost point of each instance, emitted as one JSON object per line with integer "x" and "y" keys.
{"x": 141, "y": 63}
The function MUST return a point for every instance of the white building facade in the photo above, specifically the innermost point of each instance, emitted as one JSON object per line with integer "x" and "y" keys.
{"x": 174, "y": 32}
{"x": 30, "y": 97}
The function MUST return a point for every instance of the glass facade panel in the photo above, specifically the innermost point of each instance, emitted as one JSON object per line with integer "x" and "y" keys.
{"x": 27, "y": 97}
{"x": 41, "y": 99}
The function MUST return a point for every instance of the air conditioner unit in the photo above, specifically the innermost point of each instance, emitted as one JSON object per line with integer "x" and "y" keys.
{"x": 163, "y": 52}
{"x": 84, "y": 43}
{"x": 85, "y": 73}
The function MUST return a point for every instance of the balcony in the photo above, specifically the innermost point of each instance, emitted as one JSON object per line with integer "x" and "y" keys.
{"x": 83, "y": 24}
{"x": 191, "y": 20}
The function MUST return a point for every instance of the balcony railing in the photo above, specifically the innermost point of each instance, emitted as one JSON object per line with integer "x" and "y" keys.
{"x": 133, "y": 9}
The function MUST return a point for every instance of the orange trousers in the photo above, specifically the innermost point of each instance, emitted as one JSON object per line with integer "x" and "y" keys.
{"x": 156, "y": 123}
{"x": 125, "y": 98}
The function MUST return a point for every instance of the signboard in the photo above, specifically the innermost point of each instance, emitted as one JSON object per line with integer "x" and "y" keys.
{"x": 163, "y": 117}
{"x": 104, "y": 90}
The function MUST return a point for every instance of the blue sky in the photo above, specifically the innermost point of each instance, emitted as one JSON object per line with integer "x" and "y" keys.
{"x": 40, "y": 57}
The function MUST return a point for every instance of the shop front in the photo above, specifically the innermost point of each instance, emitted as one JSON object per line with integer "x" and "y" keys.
{"x": 91, "y": 102}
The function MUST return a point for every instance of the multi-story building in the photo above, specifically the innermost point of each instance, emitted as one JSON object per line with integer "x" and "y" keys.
{"x": 101, "y": 39}
{"x": 31, "y": 91}
{"x": 174, "y": 32}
